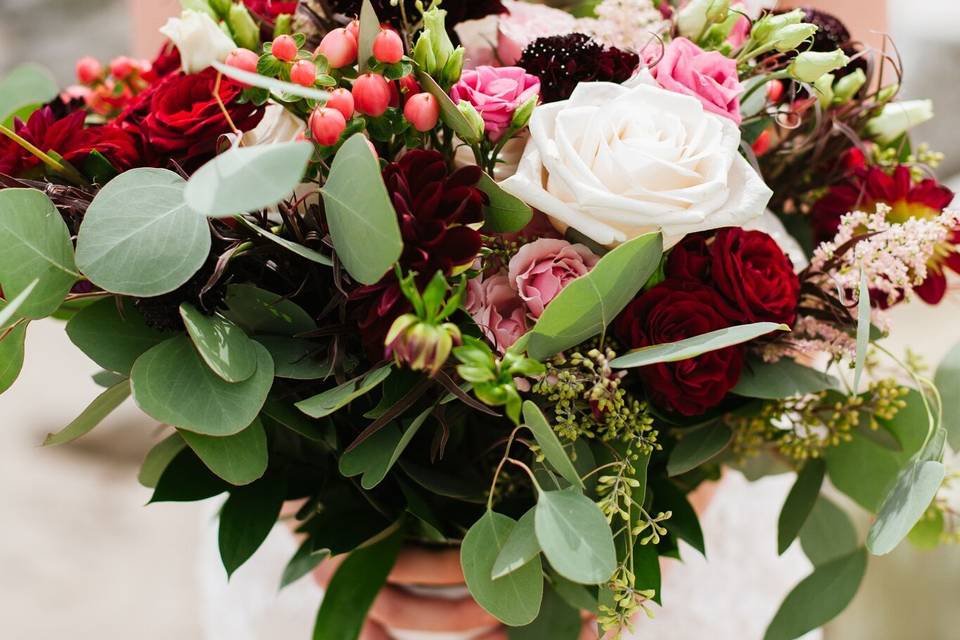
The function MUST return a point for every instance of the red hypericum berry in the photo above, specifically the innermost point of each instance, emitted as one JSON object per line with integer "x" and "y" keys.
{"x": 423, "y": 111}
{"x": 303, "y": 73}
{"x": 339, "y": 47}
{"x": 121, "y": 67}
{"x": 354, "y": 29}
{"x": 285, "y": 48}
{"x": 341, "y": 100}
{"x": 243, "y": 59}
{"x": 326, "y": 125}
{"x": 774, "y": 91}
{"x": 409, "y": 85}
{"x": 89, "y": 70}
{"x": 371, "y": 94}
{"x": 388, "y": 47}
{"x": 762, "y": 144}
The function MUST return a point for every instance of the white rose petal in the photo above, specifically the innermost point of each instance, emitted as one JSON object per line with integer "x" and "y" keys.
{"x": 615, "y": 162}
{"x": 199, "y": 39}
{"x": 899, "y": 117}
{"x": 277, "y": 125}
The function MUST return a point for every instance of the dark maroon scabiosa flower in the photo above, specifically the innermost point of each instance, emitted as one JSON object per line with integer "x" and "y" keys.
{"x": 438, "y": 212}
{"x": 562, "y": 62}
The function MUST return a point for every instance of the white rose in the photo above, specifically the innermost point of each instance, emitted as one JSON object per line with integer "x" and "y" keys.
{"x": 200, "y": 40}
{"x": 615, "y": 162}
{"x": 277, "y": 125}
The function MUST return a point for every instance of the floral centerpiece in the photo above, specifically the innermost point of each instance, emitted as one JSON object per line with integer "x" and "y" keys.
{"x": 519, "y": 295}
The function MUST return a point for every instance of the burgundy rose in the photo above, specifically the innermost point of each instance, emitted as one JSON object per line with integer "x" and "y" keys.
{"x": 271, "y": 8}
{"x": 166, "y": 63}
{"x": 671, "y": 311}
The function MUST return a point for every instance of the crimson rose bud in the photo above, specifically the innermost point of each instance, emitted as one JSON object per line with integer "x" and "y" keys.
{"x": 422, "y": 111}
{"x": 388, "y": 47}
{"x": 326, "y": 125}
{"x": 371, "y": 94}
{"x": 341, "y": 100}
{"x": 285, "y": 48}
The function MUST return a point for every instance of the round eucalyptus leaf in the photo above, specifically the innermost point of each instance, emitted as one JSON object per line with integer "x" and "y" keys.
{"x": 575, "y": 536}
{"x": 139, "y": 237}
{"x": 113, "y": 334}
{"x": 223, "y": 345}
{"x": 239, "y": 459}
{"x": 172, "y": 384}
{"x": 11, "y": 355}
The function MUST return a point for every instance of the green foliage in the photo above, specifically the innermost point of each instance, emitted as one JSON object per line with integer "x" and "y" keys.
{"x": 781, "y": 379}
{"x": 173, "y": 385}
{"x": 575, "y": 536}
{"x": 369, "y": 29}
{"x": 296, "y": 358}
{"x": 26, "y": 86}
{"x": 948, "y": 382}
{"x": 223, "y": 345}
{"x": 799, "y": 503}
{"x": 698, "y": 345}
{"x": 354, "y": 587}
{"x": 11, "y": 354}
{"x": 139, "y": 237}
{"x": 158, "y": 458}
{"x": 519, "y": 549}
{"x": 112, "y": 333}
{"x": 557, "y": 620}
{"x": 588, "y": 304}
{"x": 246, "y": 179}
{"x": 186, "y": 479}
{"x": 282, "y": 90}
{"x": 550, "y": 445}
{"x": 93, "y": 415}
{"x": 363, "y": 223}
{"x": 828, "y": 533}
{"x": 303, "y": 562}
{"x": 698, "y": 446}
{"x": 293, "y": 247}
{"x": 260, "y": 311}
{"x": 506, "y": 213}
{"x": 646, "y": 568}
{"x": 683, "y": 522}
{"x": 246, "y": 519}
{"x": 492, "y": 377}
{"x": 513, "y": 599}
{"x": 449, "y": 113}
{"x": 239, "y": 459}
{"x": 37, "y": 252}
{"x": 376, "y": 455}
{"x": 330, "y": 401}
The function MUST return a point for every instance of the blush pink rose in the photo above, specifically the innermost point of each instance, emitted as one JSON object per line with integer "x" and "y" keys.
{"x": 497, "y": 310}
{"x": 524, "y": 23}
{"x": 495, "y": 92}
{"x": 711, "y": 77}
{"x": 540, "y": 270}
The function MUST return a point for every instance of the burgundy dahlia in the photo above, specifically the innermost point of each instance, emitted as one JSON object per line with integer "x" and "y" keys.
{"x": 562, "y": 62}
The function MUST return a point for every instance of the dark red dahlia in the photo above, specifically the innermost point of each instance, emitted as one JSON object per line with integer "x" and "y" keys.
{"x": 869, "y": 186}
{"x": 438, "y": 211}
{"x": 562, "y": 62}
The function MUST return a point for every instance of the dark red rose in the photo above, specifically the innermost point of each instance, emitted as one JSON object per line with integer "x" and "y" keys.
{"x": 166, "y": 63}
{"x": 179, "y": 118}
{"x": 690, "y": 259}
{"x": 671, "y": 311}
{"x": 271, "y": 8}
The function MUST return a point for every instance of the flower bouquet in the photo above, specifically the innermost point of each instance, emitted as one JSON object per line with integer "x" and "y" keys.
{"x": 498, "y": 277}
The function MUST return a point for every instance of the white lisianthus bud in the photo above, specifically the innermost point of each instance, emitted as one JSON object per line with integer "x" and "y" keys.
{"x": 770, "y": 24}
{"x": 793, "y": 35}
{"x": 899, "y": 117}
{"x": 718, "y": 11}
{"x": 199, "y": 39}
{"x": 692, "y": 19}
{"x": 808, "y": 66}
{"x": 848, "y": 85}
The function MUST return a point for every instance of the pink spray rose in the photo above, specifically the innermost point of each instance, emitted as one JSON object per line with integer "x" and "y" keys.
{"x": 540, "y": 270}
{"x": 711, "y": 77}
{"x": 526, "y": 22}
{"x": 495, "y": 92}
{"x": 497, "y": 310}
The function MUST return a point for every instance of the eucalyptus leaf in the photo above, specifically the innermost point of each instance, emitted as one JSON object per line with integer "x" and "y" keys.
{"x": 799, "y": 503}
{"x": 947, "y": 381}
{"x": 239, "y": 459}
{"x": 863, "y": 329}
{"x": 520, "y": 548}
{"x": 37, "y": 253}
{"x": 928, "y": 532}
{"x": 113, "y": 333}
{"x": 575, "y": 537}
{"x": 550, "y": 445}
{"x": 362, "y": 220}
{"x": 158, "y": 458}
{"x": 819, "y": 598}
{"x": 246, "y": 519}
{"x": 274, "y": 86}
{"x": 828, "y": 532}
{"x": 903, "y": 507}
{"x": 590, "y": 303}
{"x": 698, "y": 446}
{"x": 505, "y": 213}
{"x": 784, "y": 378}
{"x": 513, "y": 599}
{"x": 223, "y": 345}
{"x": 173, "y": 385}
{"x": 332, "y": 400}
{"x": 696, "y": 346}
{"x": 11, "y": 355}
{"x": 289, "y": 245}
{"x": 260, "y": 311}
{"x": 246, "y": 179}
{"x": 93, "y": 415}
{"x": 557, "y": 620}
{"x": 296, "y": 358}
{"x": 26, "y": 85}
{"x": 139, "y": 237}
{"x": 369, "y": 30}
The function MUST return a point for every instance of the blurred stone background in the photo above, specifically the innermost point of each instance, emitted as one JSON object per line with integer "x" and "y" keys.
{"x": 81, "y": 558}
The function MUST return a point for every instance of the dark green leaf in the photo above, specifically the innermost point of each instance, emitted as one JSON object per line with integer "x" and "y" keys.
{"x": 698, "y": 446}
{"x": 139, "y": 237}
{"x": 260, "y": 311}
{"x": 799, "y": 503}
{"x": 239, "y": 459}
{"x": 303, "y": 562}
{"x": 819, "y": 598}
{"x": 698, "y": 345}
{"x": 550, "y": 445}
{"x": 11, "y": 355}
{"x": 948, "y": 381}
{"x": 353, "y": 588}
{"x": 93, "y": 415}
{"x": 186, "y": 479}
{"x": 684, "y": 523}
{"x": 172, "y": 384}
{"x": 287, "y": 415}
{"x": 506, "y": 213}
{"x": 329, "y": 401}
{"x": 246, "y": 519}
{"x": 513, "y": 599}
{"x": 223, "y": 345}
{"x": 375, "y": 456}
{"x": 448, "y": 485}
{"x": 520, "y": 547}
{"x": 575, "y": 536}
{"x": 25, "y": 85}
{"x": 36, "y": 253}
{"x": 828, "y": 533}
{"x": 289, "y": 245}
{"x": 782, "y": 379}
{"x": 557, "y": 621}
{"x": 646, "y": 568}
{"x": 296, "y": 358}
{"x": 588, "y": 304}
{"x": 363, "y": 223}
{"x": 113, "y": 336}
{"x": 158, "y": 458}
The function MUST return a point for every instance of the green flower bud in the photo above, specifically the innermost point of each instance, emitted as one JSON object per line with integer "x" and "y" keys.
{"x": 283, "y": 25}
{"x": 200, "y": 6}
{"x": 848, "y": 86}
{"x": 718, "y": 11}
{"x": 521, "y": 117}
{"x": 423, "y": 53}
{"x": 221, "y": 7}
{"x": 453, "y": 69}
{"x": 808, "y": 66}
{"x": 475, "y": 121}
{"x": 793, "y": 35}
{"x": 434, "y": 37}
{"x": 246, "y": 33}
{"x": 887, "y": 93}
{"x": 899, "y": 117}
{"x": 824, "y": 89}
{"x": 765, "y": 28}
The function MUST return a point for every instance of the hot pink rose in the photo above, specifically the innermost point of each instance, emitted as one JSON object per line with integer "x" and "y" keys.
{"x": 495, "y": 92}
{"x": 497, "y": 310}
{"x": 526, "y": 22}
{"x": 540, "y": 270}
{"x": 711, "y": 77}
